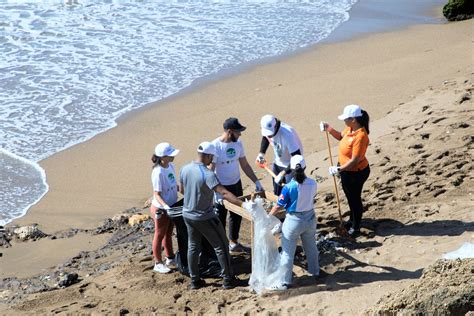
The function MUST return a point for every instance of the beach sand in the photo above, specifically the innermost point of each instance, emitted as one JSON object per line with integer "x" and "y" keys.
{"x": 398, "y": 72}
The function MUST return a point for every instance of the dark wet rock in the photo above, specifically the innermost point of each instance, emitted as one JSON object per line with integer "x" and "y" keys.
{"x": 68, "y": 279}
{"x": 457, "y": 10}
{"x": 5, "y": 238}
{"x": 458, "y": 181}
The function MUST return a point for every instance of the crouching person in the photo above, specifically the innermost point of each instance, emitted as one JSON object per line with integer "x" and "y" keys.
{"x": 297, "y": 199}
{"x": 199, "y": 184}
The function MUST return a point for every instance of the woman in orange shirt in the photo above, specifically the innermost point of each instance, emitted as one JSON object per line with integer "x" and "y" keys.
{"x": 352, "y": 163}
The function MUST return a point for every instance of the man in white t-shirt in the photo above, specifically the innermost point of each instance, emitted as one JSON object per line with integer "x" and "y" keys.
{"x": 231, "y": 155}
{"x": 285, "y": 142}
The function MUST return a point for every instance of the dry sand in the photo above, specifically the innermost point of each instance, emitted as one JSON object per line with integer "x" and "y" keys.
{"x": 420, "y": 197}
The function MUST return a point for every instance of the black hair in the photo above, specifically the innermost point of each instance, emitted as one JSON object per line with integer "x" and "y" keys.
{"x": 364, "y": 120}
{"x": 156, "y": 160}
{"x": 300, "y": 176}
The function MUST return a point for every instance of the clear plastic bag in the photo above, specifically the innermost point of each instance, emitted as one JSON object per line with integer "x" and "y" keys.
{"x": 266, "y": 269}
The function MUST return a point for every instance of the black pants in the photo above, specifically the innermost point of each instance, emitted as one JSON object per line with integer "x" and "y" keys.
{"x": 352, "y": 183}
{"x": 286, "y": 179}
{"x": 234, "y": 219}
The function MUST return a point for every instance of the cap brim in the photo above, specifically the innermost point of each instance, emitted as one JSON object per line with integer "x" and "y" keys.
{"x": 342, "y": 117}
{"x": 266, "y": 132}
{"x": 174, "y": 153}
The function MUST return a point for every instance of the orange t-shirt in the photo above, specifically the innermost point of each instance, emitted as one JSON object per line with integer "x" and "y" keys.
{"x": 354, "y": 144}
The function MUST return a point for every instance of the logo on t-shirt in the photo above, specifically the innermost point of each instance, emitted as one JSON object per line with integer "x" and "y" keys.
{"x": 278, "y": 149}
{"x": 230, "y": 152}
{"x": 171, "y": 177}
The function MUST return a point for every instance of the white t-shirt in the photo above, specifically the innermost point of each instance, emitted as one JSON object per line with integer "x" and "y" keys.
{"x": 164, "y": 181}
{"x": 285, "y": 142}
{"x": 227, "y": 162}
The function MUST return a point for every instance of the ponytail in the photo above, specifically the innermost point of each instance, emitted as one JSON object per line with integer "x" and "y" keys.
{"x": 364, "y": 121}
{"x": 156, "y": 160}
{"x": 299, "y": 174}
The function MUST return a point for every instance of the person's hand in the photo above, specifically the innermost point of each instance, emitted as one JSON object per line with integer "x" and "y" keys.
{"x": 333, "y": 170}
{"x": 260, "y": 159}
{"x": 258, "y": 186}
{"x": 276, "y": 230}
{"x": 279, "y": 177}
{"x": 323, "y": 126}
{"x": 166, "y": 207}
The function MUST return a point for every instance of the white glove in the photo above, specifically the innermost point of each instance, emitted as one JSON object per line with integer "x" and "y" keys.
{"x": 323, "y": 126}
{"x": 218, "y": 198}
{"x": 333, "y": 170}
{"x": 166, "y": 207}
{"x": 276, "y": 229}
{"x": 259, "y": 187}
{"x": 278, "y": 178}
{"x": 260, "y": 158}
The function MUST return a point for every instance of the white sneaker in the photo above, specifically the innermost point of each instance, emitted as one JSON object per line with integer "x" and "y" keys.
{"x": 238, "y": 248}
{"x": 161, "y": 268}
{"x": 170, "y": 262}
{"x": 279, "y": 287}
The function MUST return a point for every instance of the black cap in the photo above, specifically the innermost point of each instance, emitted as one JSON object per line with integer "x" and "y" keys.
{"x": 234, "y": 124}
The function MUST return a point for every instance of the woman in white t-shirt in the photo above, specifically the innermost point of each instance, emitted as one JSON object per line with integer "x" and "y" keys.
{"x": 165, "y": 194}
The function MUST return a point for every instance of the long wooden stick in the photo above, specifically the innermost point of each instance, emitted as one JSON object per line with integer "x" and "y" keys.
{"x": 334, "y": 178}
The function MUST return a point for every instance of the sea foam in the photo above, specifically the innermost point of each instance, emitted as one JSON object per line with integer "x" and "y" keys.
{"x": 69, "y": 69}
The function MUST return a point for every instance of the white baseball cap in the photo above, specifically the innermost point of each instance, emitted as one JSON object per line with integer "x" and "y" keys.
{"x": 165, "y": 149}
{"x": 297, "y": 160}
{"x": 352, "y": 110}
{"x": 207, "y": 148}
{"x": 268, "y": 123}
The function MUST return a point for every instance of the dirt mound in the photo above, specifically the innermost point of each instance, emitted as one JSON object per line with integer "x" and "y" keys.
{"x": 445, "y": 288}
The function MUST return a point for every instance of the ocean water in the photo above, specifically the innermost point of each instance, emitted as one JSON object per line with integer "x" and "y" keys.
{"x": 69, "y": 69}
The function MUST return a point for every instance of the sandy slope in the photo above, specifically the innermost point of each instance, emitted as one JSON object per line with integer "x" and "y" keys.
{"x": 419, "y": 193}
{"x": 420, "y": 206}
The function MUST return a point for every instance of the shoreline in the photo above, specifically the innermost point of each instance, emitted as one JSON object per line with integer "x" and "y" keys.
{"x": 323, "y": 75}
{"x": 363, "y": 22}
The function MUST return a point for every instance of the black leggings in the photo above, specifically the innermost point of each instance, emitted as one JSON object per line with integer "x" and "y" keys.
{"x": 234, "y": 219}
{"x": 352, "y": 183}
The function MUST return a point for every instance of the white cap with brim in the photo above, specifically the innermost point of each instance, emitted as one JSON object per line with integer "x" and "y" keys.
{"x": 165, "y": 150}
{"x": 268, "y": 123}
{"x": 297, "y": 160}
{"x": 352, "y": 110}
{"x": 207, "y": 148}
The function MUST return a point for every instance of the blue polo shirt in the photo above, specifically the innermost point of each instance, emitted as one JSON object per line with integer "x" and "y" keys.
{"x": 297, "y": 197}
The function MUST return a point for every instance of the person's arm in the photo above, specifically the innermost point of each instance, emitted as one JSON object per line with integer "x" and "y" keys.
{"x": 334, "y": 133}
{"x": 350, "y": 164}
{"x": 244, "y": 164}
{"x": 226, "y": 195}
{"x": 160, "y": 200}
{"x": 276, "y": 209}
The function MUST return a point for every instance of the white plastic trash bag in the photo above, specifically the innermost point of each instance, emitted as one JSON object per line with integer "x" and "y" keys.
{"x": 465, "y": 251}
{"x": 266, "y": 269}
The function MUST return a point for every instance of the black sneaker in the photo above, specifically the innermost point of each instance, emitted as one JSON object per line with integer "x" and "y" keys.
{"x": 196, "y": 285}
{"x": 230, "y": 283}
{"x": 353, "y": 233}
